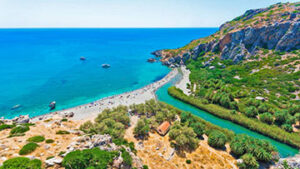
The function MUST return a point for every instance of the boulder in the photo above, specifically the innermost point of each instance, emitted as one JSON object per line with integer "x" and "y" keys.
{"x": 21, "y": 119}
{"x": 53, "y": 161}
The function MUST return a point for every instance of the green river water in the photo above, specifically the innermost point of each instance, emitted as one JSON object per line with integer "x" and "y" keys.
{"x": 162, "y": 95}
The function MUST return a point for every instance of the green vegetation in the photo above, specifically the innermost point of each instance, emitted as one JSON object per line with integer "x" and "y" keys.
{"x": 249, "y": 162}
{"x": 61, "y": 132}
{"x": 127, "y": 160}
{"x": 28, "y": 148}
{"x": 110, "y": 121}
{"x": 36, "y": 139}
{"x": 217, "y": 139}
{"x": 260, "y": 149}
{"x": 6, "y": 126}
{"x": 19, "y": 130}
{"x": 89, "y": 158}
{"x": 21, "y": 162}
{"x": 253, "y": 124}
{"x": 188, "y": 161}
{"x": 183, "y": 136}
{"x": 49, "y": 157}
{"x": 121, "y": 141}
{"x": 142, "y": 128}
{"x": 48, "y": 141}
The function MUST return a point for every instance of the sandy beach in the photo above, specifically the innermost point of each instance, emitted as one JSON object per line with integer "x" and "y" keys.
{"x": 91, "y": 110}
{"x": 185, "y": 79}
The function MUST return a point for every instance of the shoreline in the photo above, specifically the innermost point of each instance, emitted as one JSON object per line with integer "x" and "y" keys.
{"x": 91, "y": 110}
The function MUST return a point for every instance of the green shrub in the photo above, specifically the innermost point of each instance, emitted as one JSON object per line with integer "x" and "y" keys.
{"x": 64, "y": 120}
{"x": 28, "y": 148}
{"x": 249, "y": 162}
{"x": 20, "y": 129}
{"x": 36, "y": 139}
{"x": 145, "y": 167}
{"x": 127, "y": 159}
{"x": 217, "y": 139}
{"x": 260, "y": 149}
{"x": 188, "y": 161}
{"x": 251, "y": 111}
{"x": 61, "y": 153}
{"x": 49, "y": 141}
{"x": 21, "y": 163}
{"x": 49, "y": 157}
{"x": 6, "y": 126}
{"x": 62, "y": 132}
{"x": 89, "y": 158}
{"x": 266, "y": 118}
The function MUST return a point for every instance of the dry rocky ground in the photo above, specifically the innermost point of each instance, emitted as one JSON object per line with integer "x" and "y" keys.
{"x": 9, "y": 147}
{"x": 156, "y": 152}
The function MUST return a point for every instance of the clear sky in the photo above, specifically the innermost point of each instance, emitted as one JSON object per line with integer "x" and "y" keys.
{"x": 123, "y": 13}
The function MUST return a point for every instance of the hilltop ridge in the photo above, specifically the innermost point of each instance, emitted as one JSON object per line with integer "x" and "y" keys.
{"x": 274, "y": 28}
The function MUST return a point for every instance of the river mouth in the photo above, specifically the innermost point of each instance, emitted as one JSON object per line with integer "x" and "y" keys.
{"x": 162, "y": 95}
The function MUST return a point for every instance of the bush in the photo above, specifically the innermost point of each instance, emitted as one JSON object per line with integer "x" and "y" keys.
{"x": 127, "y": 159}
{"x": 48, "y": 158}
{"x": 249, "y": 162}
{"x": 64, "y": 120}
{"x": 266, "y": 118}
{"x": 251, "y": 111}
{"x": 188, "y": 161}
{"x": 19, "y": 129}
{"x": 21, "y": 163}
{"x": 142, "y": 128}
{"x": 6, "y": 126}
{"x": 28, "y": 148}
{"x": 145, "y": 167}
{"x": 217, "y": 139}
{"x": 49, "y": 141}
{"x": 89, "y": 158}
{"x": 184, "y": 137}
{"x": 198, "y": 128}
{"x": 110, "y": 121}
{"x": 62, "y": 132}
{"x": 260, "y": 149}
{"x": 36, "y": 139}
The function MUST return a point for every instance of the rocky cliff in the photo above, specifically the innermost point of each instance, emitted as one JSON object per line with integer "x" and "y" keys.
{"x": 274, "y": 28}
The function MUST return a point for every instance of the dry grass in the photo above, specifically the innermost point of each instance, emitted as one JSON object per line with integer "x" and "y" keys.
{"x": 203, "y": 157}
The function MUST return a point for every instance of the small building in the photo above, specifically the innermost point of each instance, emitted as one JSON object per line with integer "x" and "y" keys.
{"x": 164, "y": 128}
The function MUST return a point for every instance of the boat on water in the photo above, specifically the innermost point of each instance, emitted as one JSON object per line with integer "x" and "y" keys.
{"x": 15, "y": 107}
{"x": 151, "y": 60}
{"x": 82, "y": 58}
{"x": 52, "y": 105}
{"x": 105, "y": 65}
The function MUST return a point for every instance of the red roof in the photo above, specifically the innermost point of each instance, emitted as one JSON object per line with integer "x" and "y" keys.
{"x": 164, "y": 126}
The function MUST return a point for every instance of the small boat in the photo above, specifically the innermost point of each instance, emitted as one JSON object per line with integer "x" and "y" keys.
{"x": 105, "y": 65}
{"x": 16, "y": 106}
{"x": 82, "y": 58}
{"x": 52, "y": 105}
{"x": 151, "y": 60}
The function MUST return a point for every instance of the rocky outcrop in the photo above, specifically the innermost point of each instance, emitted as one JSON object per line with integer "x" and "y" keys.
{"x": 245, "y": 35}
{"x": 21, "y": 119}
{"x": 292, "y": 162}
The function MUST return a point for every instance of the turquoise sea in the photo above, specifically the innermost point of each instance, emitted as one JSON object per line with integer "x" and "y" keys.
{"x": 42, "y": 65}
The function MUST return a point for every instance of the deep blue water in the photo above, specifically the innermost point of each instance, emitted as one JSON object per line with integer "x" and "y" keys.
{"x": 41, "y": 65}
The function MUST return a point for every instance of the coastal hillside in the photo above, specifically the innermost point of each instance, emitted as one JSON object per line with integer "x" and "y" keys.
{"x": 274, "y": 28}
{"x": 247, "y": 72}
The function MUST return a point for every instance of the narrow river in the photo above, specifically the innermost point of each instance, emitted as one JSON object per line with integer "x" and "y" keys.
{"x": 162, "y": 95}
